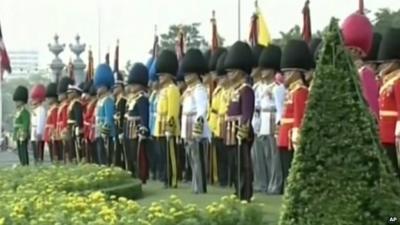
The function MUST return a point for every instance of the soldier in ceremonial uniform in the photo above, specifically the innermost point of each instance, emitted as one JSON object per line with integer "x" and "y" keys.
{"x": 154, "y": 154}
{"x": 89, "y": 95}
{"x": 219, "y": 108}
{"x": 119, "y": 116}
{"x": 75, "y": 124}
{"x": 137, "y": 122}
{"x": 167, "y": 117}
{"x": 296, "y": 61}
{"x": 62, "y": 114}
{"x": 216, "y": 141}
{"x": 21, "y": 124}
{"x": 194, "y": 129}
{"x": 239, "y": 133}
{"x": 38, "y": 121}
{"x": 255, "y": 75}
{"x": 50, "y": 131}
{"x": 371, "y": 60}
{"x": 105, "y": 131}
{"x": 266, "y": 159}
{"x": 357, "y": 32}
{"x": 389, "y": 94}
{"x": 184, "y": 170}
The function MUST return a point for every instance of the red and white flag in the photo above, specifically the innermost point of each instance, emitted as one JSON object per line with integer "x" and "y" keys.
{"x": 4, "y": 59}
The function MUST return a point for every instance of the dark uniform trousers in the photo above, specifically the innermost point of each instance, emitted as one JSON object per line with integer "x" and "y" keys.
{"x": 69, "y": 150}
{"x": 392, "y": 154}
{"x": 286, "y": 156}
{"x": 55, "y": 149}
{"x": 246, "y": 170}
{"x": 118, "y": 154}
{"x": 168, "y": 161}
{"x": 138, "y": 158}
{"x": 154, "y": 159}
{"x": 132, "y": 153}
{"x": 222, "y": 164}
{"x": 22, "y": 147}
{"x": 104, "y": 149}
{"x": 38, "y": 150}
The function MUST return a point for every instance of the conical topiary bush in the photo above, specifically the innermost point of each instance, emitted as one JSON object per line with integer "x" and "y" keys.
{"x": 340, "y": 174}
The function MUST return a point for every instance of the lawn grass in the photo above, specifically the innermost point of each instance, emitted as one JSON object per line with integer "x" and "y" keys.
{"x": 154, "y": 191}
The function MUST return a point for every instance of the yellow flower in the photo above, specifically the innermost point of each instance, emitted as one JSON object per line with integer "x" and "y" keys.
{"x": 172, "y": 210}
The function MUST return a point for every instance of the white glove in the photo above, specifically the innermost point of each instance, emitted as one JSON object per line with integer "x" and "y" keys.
{"x": 397, "y": 130}
{"x": 77, "y": 131}
{"x": 295, "y": 137}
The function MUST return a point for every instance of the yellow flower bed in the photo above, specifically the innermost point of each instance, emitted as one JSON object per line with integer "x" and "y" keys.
{"x": 57, "y": 202}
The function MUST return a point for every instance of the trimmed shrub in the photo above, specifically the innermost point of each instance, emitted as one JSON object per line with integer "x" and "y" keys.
{"x": 340, "y": 174}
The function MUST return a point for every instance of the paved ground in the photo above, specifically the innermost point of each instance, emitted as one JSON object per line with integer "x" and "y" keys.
{"x": 8, "y": 158}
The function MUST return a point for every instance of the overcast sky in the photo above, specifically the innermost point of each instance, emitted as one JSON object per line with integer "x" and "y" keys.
{"x": 31, "y": 24}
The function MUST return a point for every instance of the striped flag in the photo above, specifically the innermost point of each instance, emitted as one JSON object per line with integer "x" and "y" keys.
{"x": 155, "y": 45}
{"x": 214, "y": 37}
{"x": 4, "y": 59}
{"x": 90, "y": 70}
{"x": 180, "y": 45}
{"x": 108, "y": 58}
{"x": 116, "y": 58}
{"x": 259, "y": 32}
{"x": 306, "y": 33}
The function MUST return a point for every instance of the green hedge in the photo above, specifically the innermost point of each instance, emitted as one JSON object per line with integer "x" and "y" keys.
{"x": 340, "y": 174}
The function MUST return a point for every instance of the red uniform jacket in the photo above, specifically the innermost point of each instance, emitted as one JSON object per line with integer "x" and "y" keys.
{"x": 389, "y": 107}
{"x": 294, "y": 109}
{"x": 89, "y": 121}
{"x": 62, "y": 119}
{"x": 50, "y": 132}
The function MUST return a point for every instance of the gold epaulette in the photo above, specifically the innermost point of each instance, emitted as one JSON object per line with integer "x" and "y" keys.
{"x": 119, "y": 98}
{"x": 71, "y": 104}
{"x": 216, "y": 90}
{"x": 296, "y": 85}
{"x": 389, "y": 81}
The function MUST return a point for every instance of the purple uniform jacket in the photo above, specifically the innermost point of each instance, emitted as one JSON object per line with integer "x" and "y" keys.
{"x": 240, "y": 109}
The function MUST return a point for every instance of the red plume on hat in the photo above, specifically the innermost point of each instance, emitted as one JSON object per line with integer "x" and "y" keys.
{"x": 357, "y": 32}
{"x": 38, "y": 93}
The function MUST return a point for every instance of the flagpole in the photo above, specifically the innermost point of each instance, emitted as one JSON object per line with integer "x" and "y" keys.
{"x": 239, "y": 19}
{"x": 99, "y": 31}
{"x": 1, "y": 102}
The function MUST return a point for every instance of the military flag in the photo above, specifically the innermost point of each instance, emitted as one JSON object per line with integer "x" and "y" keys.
{"x": 4, "y": 59}
{"x": 180, "y": 45}
{"x": 259, "y": 32}
{"x": 90, "y": 70}
{"x": 214, "y": 37}
{"x": 70, "y": 70}
{"x": 108, "y": 57}
{"x": 151, "y": 63}
{"x": 306, "y": 33}
{"x": 116, "y": 58}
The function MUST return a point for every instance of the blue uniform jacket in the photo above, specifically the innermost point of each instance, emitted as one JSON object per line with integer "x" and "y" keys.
{"x": 105, "y": 110}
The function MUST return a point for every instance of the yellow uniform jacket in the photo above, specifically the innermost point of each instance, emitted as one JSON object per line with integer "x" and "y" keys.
{"x": 167, "y": 112}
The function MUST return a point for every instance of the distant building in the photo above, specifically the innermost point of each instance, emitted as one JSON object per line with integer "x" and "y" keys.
{"x": 24, "y": 62}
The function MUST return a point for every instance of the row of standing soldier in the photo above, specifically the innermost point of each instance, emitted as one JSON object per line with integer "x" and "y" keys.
{"x": 114, "y": 129}
{"x": 225, "y": 134}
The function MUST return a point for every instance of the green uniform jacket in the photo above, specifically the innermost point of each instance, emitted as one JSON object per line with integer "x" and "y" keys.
{"x": 22, "y": 123}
